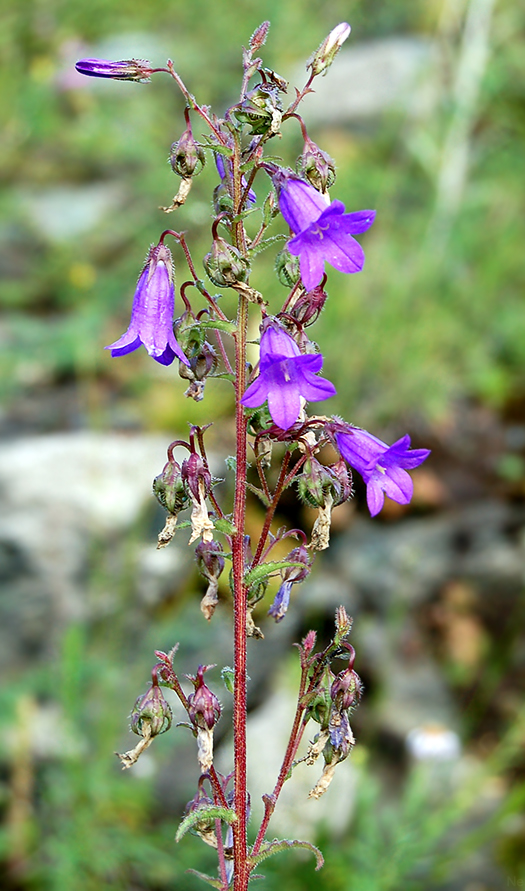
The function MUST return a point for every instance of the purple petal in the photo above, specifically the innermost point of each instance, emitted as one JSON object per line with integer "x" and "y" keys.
{"x": 256, "y": 393}
{"x": 125, "y": 344}
{"x": 277, "y": 344}
{"x": 374, "y": 497}
{"x": 284, "y": 404}
{"x": 398, "y": 485}
{"x": 300, "y": 204}
{"x": 311, "y": 260}
{"x": 358, "y": 221}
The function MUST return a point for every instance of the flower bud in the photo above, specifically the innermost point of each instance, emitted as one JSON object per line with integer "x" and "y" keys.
{"x": 347, "y": 689}
{"x": 287, "y": 268}
{"x": 204, "y": 709}
{"x": 262, "y": 109}
{"x": 308, "y": 306}
{"x": 151, "y": 714}
{"x": 258, "y": 37}
{"x": 169, "y": 490}
{"x": 202, "y": 365}
{"x": 315, "y": 482}
{"x": 129, "y": 69}
{"x": 225, "y": 265}
{"x": 316, "y": 166}
{"x": 323, "y": 57}
{"x": 187, "y": 157}
{"x": 193, "y": 472}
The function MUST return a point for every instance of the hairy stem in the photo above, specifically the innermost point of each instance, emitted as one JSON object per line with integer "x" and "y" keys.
{"x": 240, "y": 852}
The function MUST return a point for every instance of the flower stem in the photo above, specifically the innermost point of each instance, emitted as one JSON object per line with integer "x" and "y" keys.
{"x": 240, "y": 852}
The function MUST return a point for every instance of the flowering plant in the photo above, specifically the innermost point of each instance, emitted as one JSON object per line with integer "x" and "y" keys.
{"x": 271, "y": 402}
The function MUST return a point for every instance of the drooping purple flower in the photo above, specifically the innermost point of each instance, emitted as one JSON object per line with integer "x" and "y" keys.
{"x": 127, "y": 69}
{"x": 383, "y": 468}
{"x": 221, "y": 170}
{"x": 151, "y": 322}
{"x": 286, "y": 376}
{"x": 291, "y": 576}
{"x": 322, "y": 231}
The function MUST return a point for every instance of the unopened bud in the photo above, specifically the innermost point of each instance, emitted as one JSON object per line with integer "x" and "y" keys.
{"x": 151, "y": 714}
{"x": 317, "y": 166}
{"x": 323, "y": 57}
{"x": 225, "y": 265}
{"x": 343, "y": 624}
{"x": 128, "y": 69}
{"x": 169, "y": 490}
{"x": 258, "y": 37}
{"x": 187, "y": 157}
{"x": 194, "y": 472}
{"x": 201, "y": 366}
{"x": 347, "y": 689}
{"x": 204, "y": 709}
{"x": 287, "y": 268}
{"x": 315, "y": 482}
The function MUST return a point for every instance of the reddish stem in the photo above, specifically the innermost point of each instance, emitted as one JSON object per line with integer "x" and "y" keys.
{"x": 240, "y": 851}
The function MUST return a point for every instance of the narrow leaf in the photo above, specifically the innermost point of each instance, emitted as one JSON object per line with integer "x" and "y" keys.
{"x": 223, "y": 525}
{"x": 265, "y": 243}
{"x": 204, "y": 814}
{"x": 219, "y": 325}
{"x": 215, "y": 883}
{"x": 263, "y": 570}
{"x": 277, "y": 845}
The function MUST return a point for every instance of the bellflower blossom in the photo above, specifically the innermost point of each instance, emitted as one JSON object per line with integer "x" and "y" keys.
{"x": 151, "y": 322}
{"x": 383, "y": 468}
{"x": 323, "y": 231}
{"x": 286, "y": 376}
{"x": 291, "y": 576}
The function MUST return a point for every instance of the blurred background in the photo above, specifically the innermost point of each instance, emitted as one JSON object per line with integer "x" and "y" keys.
{"x": 424, "y": 112}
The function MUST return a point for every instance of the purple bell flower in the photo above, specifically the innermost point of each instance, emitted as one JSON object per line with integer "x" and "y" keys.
{"x": 151, "y": 322}
{"x": 323, "y": 231}
{"x": 383, "y": 468}
{"x": 286, "y": 376}
{"x": 128, "y": 69}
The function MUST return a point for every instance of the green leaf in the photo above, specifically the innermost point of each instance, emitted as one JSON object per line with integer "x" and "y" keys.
{"x": 224, "y": 525}
{"x": 259, "y": 492}
{"x": 228, "y": 677}
{"x": 277, "y": 845}
{"x": 215, "y": 883}
{"x": 203, "y": 814}
{"x": 220, "y": 325}
{"x": 217, "y": 147}
{"x": 263, "y": 570}
{"x": 265, "y": 243}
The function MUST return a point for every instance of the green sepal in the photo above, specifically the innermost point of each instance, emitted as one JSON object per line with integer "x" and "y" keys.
{"x": 215, "y": 883}
{"x": 203, "y": 814}
{"x": 263, "y": 570}
{"x": 277, "y": 845}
